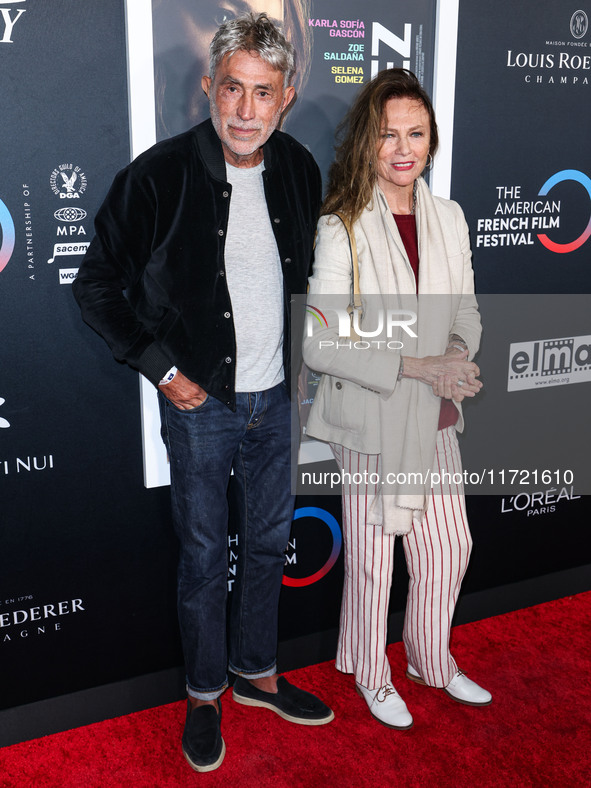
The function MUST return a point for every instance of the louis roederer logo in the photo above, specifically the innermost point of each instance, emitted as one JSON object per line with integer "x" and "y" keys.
{"x": 579, "y": 24}
{"x": 549, "y": 362}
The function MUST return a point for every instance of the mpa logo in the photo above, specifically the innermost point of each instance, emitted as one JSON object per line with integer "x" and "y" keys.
{"x": 68, "y": 182}
{"x": 70, "y": 214}
{"x": 559, "y": 177}
{"x": 6, "y": 236}
{"x": 579, "y": 24}
{"x": 547, "y": 362}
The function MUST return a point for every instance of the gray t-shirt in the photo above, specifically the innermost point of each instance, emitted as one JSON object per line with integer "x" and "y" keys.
{"x": 255, "y": 282}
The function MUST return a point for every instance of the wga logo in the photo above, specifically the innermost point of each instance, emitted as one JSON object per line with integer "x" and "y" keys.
{"x": 6, "y": 236}
{"x": 3, "y": 423}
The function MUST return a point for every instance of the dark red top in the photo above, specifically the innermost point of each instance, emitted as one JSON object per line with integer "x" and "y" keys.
{"x": 407, "y": 227}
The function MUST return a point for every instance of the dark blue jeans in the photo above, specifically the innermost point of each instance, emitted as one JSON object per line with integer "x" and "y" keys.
{"x": 204, "y": 445}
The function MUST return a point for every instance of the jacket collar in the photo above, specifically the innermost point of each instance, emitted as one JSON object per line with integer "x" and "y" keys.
{"x": 210, "y": 148}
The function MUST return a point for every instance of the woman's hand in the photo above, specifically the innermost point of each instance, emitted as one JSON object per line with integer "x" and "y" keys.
{"x": 450, "y": 376}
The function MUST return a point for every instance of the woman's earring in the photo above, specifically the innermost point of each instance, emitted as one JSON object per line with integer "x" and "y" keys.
{"x": 429, "y": 164}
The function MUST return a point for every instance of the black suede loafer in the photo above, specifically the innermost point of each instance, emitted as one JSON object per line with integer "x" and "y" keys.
{"x": 203, "y": 746}
{"x": 291, "y": 703}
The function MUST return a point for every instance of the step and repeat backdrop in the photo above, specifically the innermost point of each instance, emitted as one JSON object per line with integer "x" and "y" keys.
{"x": 521, "y": 171}
{"x": 87, "y": 555}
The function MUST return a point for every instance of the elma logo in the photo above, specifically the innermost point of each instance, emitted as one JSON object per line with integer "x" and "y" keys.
{"x": 337, "y": 540}
{"x": 566, "y": 175}
{"x": 547, "y": 362}
{"x": 6, "y": 236}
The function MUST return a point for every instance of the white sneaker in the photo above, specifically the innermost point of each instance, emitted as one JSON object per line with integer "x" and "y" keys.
{"x": 460, "y": 688}
{"x": 386, "y": 706}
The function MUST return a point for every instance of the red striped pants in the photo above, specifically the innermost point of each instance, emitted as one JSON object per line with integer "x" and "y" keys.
{"x": 437, "y": 551}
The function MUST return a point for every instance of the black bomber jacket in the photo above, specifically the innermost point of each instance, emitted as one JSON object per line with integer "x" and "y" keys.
{"x": 153, "y": 282}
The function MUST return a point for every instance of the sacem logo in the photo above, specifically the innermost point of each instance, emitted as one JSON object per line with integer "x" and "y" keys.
{"x": 584, "y": 180}
{"x": 326, "y": 519}
{"x": 6, "y": 236}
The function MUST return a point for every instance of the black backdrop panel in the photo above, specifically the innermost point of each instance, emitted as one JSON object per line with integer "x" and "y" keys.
{"x": 87, "y": 556}
{"x": 521, "y": 167}
{"x": 521, "y": 149}
{"x": 87, "y": 553}
{"x": 87, "y": 560}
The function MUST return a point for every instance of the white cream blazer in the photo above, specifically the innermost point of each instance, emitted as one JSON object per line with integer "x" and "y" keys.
{"x": 359, "y": 403}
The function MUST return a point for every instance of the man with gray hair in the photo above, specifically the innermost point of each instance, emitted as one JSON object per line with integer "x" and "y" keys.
{"x": 199, "y": 246}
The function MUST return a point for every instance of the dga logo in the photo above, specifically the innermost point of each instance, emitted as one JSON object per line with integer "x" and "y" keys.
{"x": 70, "y": 214}
{"x": 579, "y": 24}
{"x": 8, "y": 19}
{"x": 6, "y": 236}
{"x": 68, "y": 182}
{"x": 559, "y": 177}
{"x": 547, "y": 362}
{"x": 337, "y": 540}
{"x": 3, "y": 423}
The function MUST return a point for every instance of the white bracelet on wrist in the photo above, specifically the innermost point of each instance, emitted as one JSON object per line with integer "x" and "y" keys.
{"x": 169, "y": 376}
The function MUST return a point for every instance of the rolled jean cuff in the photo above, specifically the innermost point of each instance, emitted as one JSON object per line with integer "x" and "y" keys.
{"x": 206, "y": 694}
{"x": 255, "y": 674}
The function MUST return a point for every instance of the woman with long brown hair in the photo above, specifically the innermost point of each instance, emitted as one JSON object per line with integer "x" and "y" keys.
{"x": 390, "y": 408}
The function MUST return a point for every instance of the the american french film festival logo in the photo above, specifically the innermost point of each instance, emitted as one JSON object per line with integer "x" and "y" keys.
{"x": 7, "y": 236}
{"x": 388, "y": 322}
{"x": 549, "y": 362}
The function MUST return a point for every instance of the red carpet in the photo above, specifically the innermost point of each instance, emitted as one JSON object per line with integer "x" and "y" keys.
{"x": 537, "y": 732}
